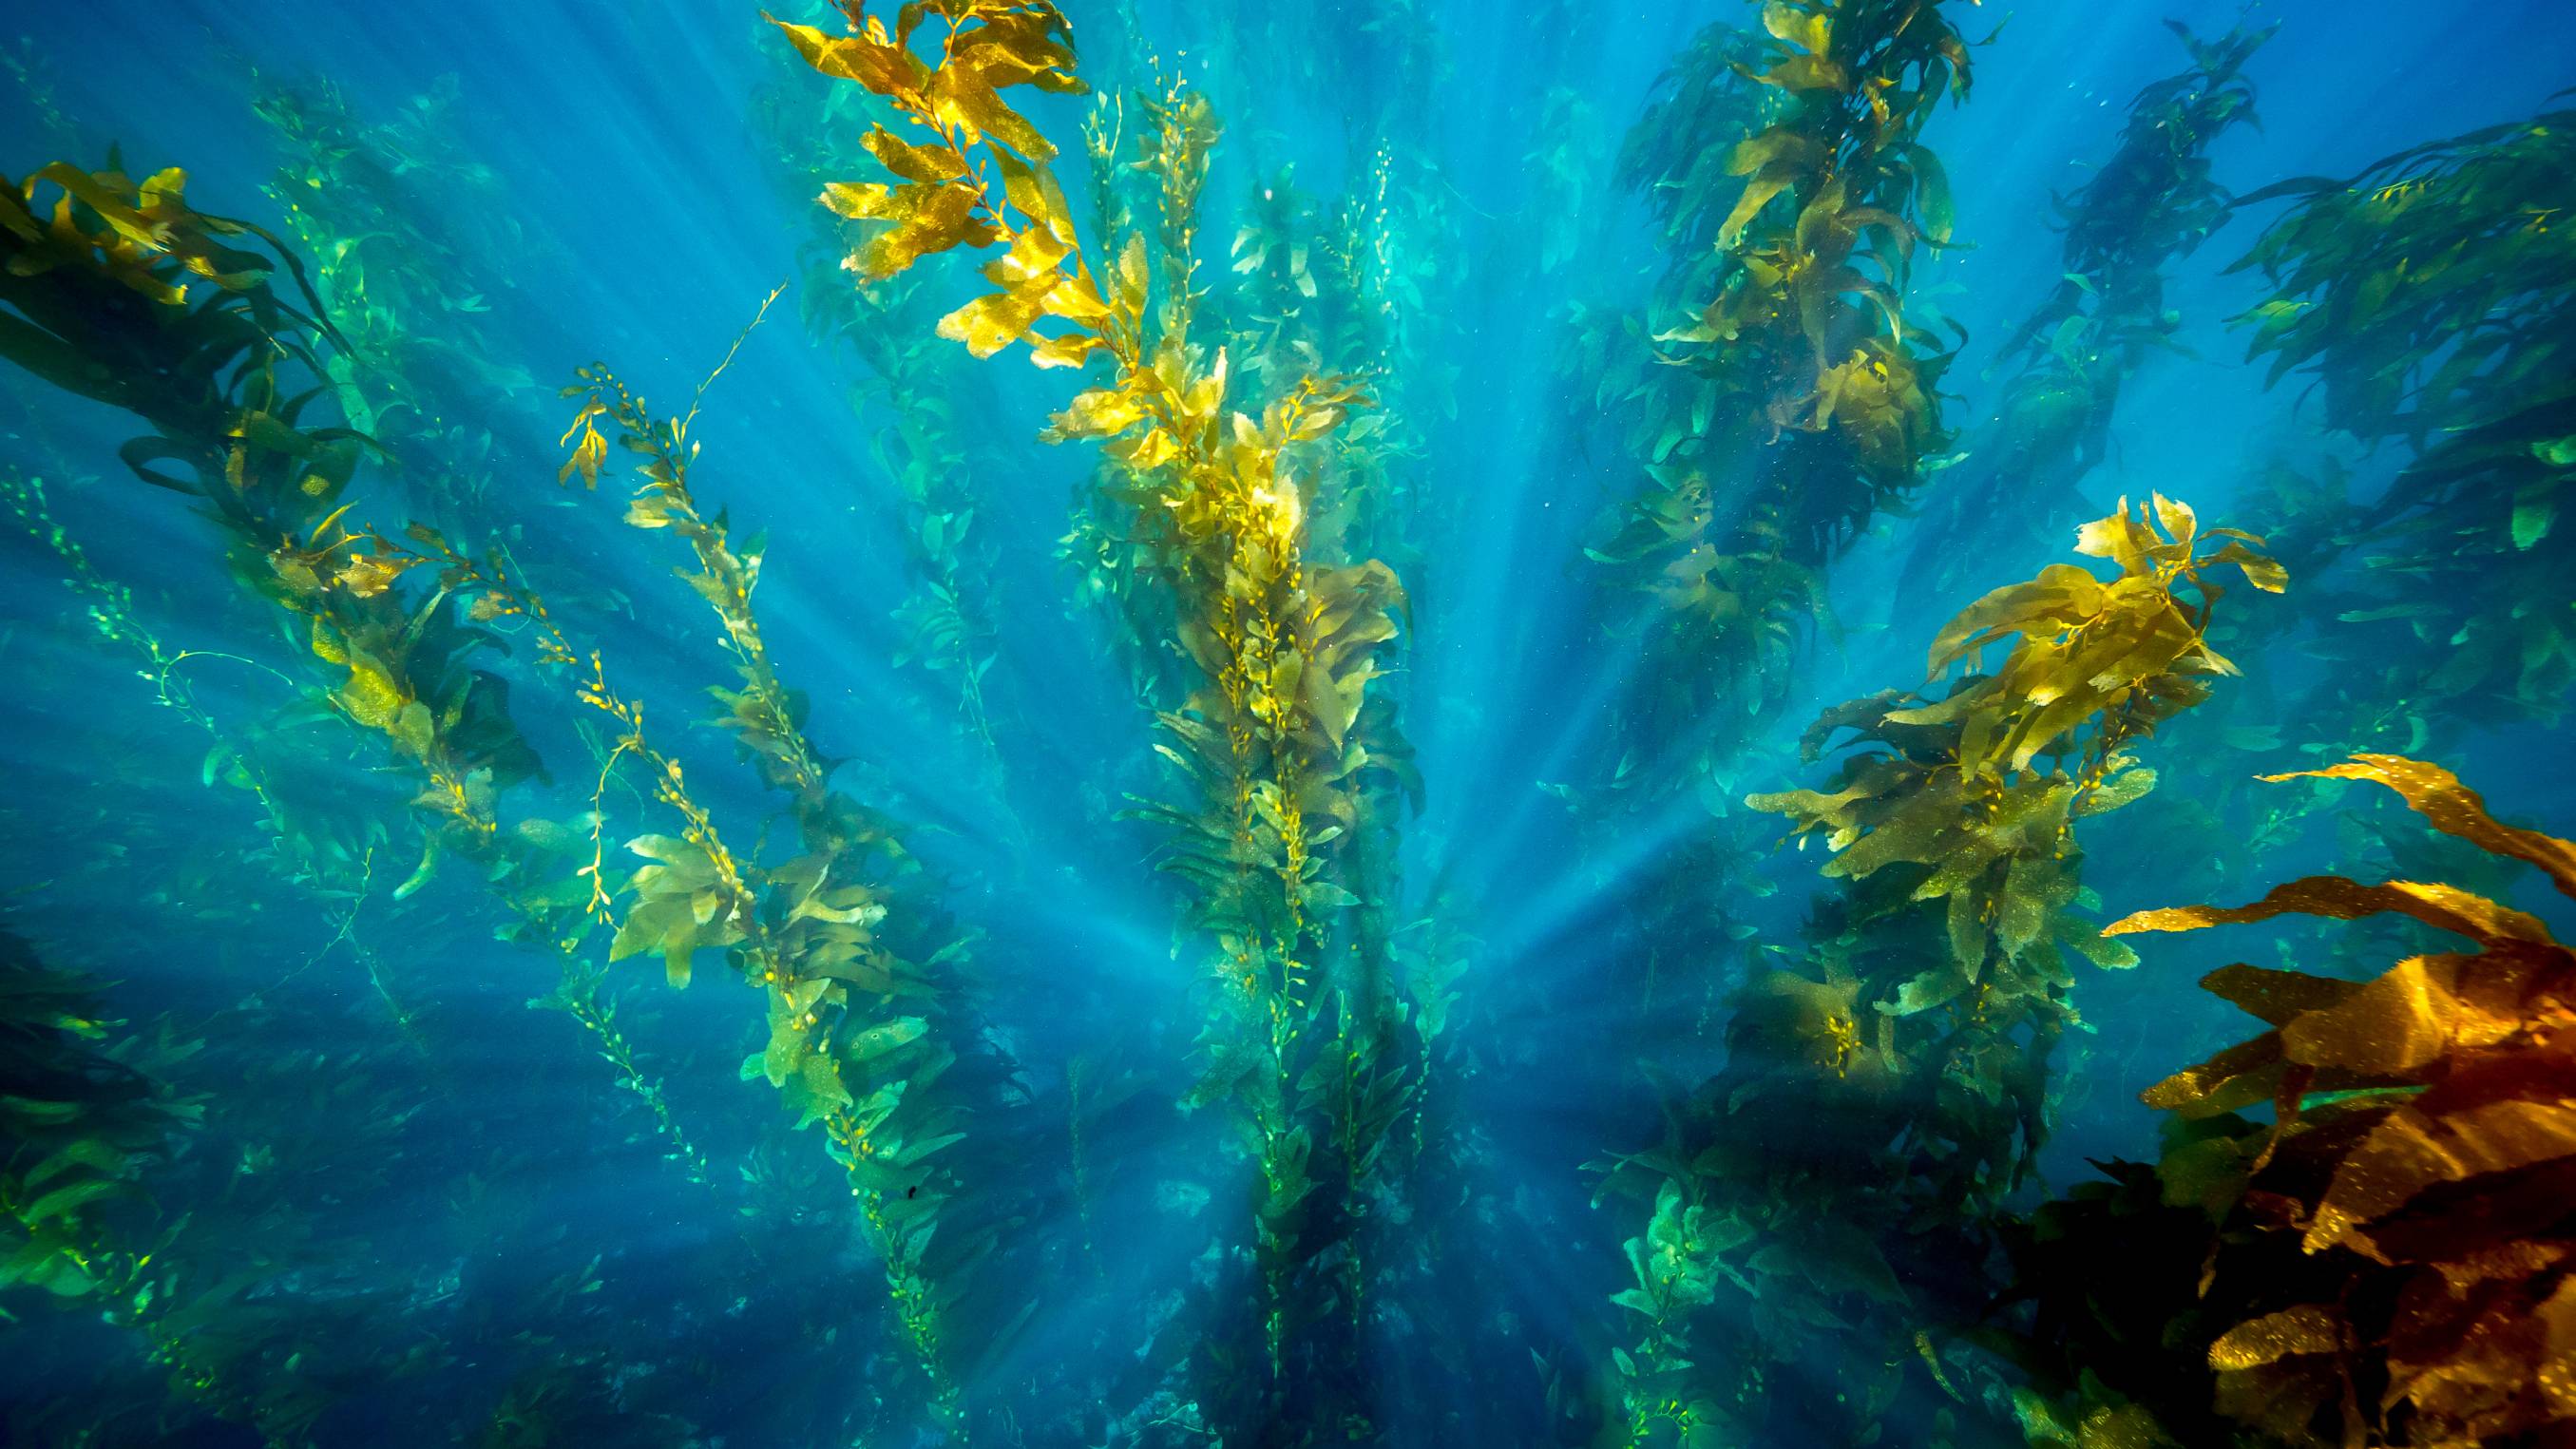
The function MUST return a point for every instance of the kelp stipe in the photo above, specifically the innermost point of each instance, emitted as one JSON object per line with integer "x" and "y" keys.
{"x": 111, "y": 319}
{"x": 1284, "y": 650}
{"x": 1882, "y": 1096}
{"x": 1774, "y": 398}
{"x": 124, "y": 294}
{"x": 321, "y": 846}
{"x": 407, "y": 233}
{"x": 1347, "y": 289}
{"x": 103, "y": 289}
{"x": 304, "y": 840}
{"x": 906, "y": 1061}
{"x": 2384, "y": 1262}
{"x": 870, "y": 1034}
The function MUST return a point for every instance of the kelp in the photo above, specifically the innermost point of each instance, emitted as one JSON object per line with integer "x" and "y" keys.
{"x": 2152, "y": 203}
{"x": 310, "y": 841}
{"x": 103, "y": 294}
{"x": 1325, "y": 290}
{"x": 2383, "y": 1262}
{"x": 346, "y": 583}
{"x": 1799, "y": 387}
{"x": 1305, "y": 1059}
{"x": 102, "y": 290}
{"x": 2429, "y": 296}
{"x": 1118, "y": 541}
{"x": 1771, "y": 400}
{"x": 1882, "y": 1097}
{"x": 869, "y": 1034}
{"x": 317, "y": 842}
{"x": 1354, "y": 287}
{"x": 1833, "y": 1195}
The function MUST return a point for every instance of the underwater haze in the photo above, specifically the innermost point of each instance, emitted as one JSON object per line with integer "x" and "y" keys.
{"x": 1715, "y": 724}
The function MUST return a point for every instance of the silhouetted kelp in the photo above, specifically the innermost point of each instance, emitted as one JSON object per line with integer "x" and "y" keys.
{"x": 2151, "y": 204}
{"x": 119, "y": 1192}
{"x": 1774, "y": 398}
{"x": 1786, "y": 399}
{"x": 108, "y": 285}
{"x": 2432, "y": 297}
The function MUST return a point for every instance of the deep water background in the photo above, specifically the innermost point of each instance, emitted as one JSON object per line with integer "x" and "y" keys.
{"x": 645, "y": 221}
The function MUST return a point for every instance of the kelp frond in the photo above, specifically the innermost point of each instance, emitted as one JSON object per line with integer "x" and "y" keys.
{"x": 2385, "y": 1261}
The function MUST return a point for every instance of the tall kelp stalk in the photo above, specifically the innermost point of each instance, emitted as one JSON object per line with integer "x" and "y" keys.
{"x": 1883, "y": 1094}
{"x": 1796, "y": 402}
{"x": 1776, "y": 398}
{"x": 403, "y": 227}
{"x": 313, "y": 836}
{"x": 871, "y": 1032}
{"x": 2151, "y": 204}
{"x": 102, "y": 288}
{"x": 1280, "y": 649}
{"x": 1354, "y": 288}
{"x": 1153, "y": 168}
{"x": 101, "y": 291}
{"x": 123, "y": 293}
{"x": 2433, "y": 300}
{"x": 2385, "y": 1261}
{"x": 276, "y": 1187}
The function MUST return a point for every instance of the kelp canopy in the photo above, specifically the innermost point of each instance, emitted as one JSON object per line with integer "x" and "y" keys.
{"x": 1539, "y": 786}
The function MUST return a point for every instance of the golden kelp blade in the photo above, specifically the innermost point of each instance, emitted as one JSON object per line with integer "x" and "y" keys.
{"x": 2454, "y": 809}
{"x": 2396, "y": 1225}
{"x": 2337, "y": 898}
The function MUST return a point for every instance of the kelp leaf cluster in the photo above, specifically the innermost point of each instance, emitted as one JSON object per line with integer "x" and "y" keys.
{"x": 2430, "y": 298}
{"x": 81, "y": 1123}
{"x": 2384, "y": 1262}
{"x": 1945, "y": 798}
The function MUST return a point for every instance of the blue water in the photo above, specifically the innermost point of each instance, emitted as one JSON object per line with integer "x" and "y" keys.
{"x": 435, "y": 1213}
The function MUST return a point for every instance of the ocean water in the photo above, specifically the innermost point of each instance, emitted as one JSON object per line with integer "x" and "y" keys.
{"x": 1265, "y": 931}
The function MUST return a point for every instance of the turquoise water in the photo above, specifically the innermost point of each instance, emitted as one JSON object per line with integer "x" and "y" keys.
{"x": 1265, "y": 931}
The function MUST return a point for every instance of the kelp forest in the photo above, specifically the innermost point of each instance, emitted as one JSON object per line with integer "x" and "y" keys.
{"x": 1117, "y": 724}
